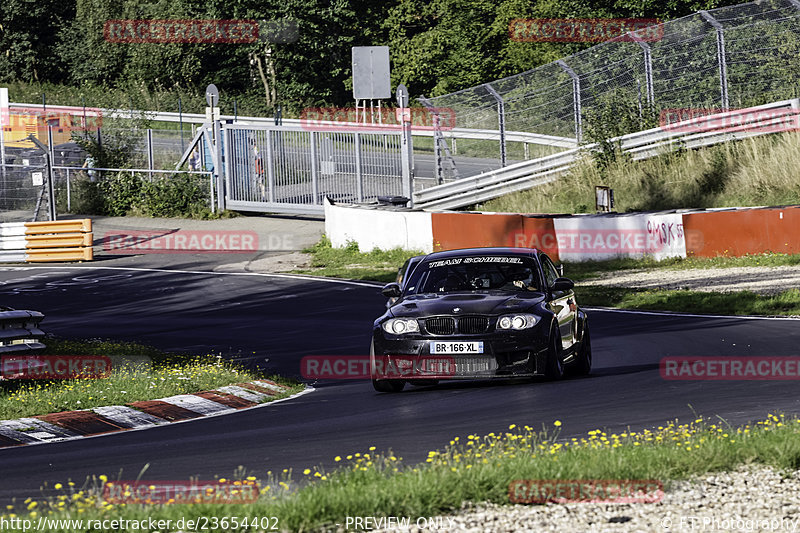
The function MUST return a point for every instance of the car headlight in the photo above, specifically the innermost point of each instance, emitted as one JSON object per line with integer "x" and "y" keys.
{"x": 398, "y": 326}
{"x": 517, "y": 321}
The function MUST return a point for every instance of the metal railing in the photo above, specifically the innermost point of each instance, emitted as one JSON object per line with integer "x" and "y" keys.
{"x": 693, "y": 133}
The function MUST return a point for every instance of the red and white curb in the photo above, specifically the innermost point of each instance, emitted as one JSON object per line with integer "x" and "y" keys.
{"x": 140, "y": 415}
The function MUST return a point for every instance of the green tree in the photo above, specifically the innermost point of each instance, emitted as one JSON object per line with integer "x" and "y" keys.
{"x": 28, "y": 36}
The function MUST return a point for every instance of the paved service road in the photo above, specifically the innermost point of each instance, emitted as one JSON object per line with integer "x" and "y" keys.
{"x": 254, "y": 317}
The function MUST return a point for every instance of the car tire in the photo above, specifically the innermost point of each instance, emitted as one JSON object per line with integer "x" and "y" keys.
{"x": 583, "y": 364}
{"x": 554, "y": 366}
{"x": 384, "y": 385}
{"x": 388, "y": 385}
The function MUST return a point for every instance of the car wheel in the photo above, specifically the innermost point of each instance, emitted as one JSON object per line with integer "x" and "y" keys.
{"x": 383, "y": 385}
{"x": 583, "y": 364}
{"x": 554, "y": 367}
{"x": 388, "y": 385}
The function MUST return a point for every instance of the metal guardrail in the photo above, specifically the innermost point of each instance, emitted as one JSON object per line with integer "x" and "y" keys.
{"x": 750, "y": 122}
{"x": 293, "y": 124}
{"x": 19, "y": 331}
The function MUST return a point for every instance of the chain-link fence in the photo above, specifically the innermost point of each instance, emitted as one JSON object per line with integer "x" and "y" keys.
{"x": 729, "y": 57}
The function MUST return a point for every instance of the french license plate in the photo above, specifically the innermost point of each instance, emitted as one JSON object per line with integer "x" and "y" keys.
{"x": 450, "y": 347}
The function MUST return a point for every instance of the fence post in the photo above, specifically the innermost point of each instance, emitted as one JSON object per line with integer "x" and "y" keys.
{"x": 314, "y": 168}
{"x": 359, "y": 171}
{"x": 501, "y": 119}
{"x": 150, "y": 153}
{"x": 227, "y": 169}
{"x": 218, "y": 170}
{"x": 576, "y": 98}
{"x": 5, "y": 116}
{"x": 270, "y": 169}
{"x": 648, "y": 67}
{"x": 180, "y": 119}
{"x": 51, "y": 197}
{"x": 406, "y": 146}
{"x": 723, "y": 70}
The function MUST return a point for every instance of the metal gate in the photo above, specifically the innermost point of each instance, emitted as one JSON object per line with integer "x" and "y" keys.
{"x": 290, "y": 169}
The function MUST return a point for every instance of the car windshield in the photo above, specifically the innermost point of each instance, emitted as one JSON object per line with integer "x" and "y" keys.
{"x": 474, "y": 273}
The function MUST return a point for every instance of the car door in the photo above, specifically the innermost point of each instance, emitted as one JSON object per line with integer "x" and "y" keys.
{"x": 562, "y": 303}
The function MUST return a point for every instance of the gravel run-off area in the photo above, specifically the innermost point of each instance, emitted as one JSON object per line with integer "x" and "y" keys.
{"x": 761, "y": 280}
{"x": 754, "y": 498}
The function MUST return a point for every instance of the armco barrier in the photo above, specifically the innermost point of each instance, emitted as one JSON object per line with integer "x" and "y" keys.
{"x": 19, "y": 331}
{"x": 37, "y": 242}
{"x": 709, "y": 233}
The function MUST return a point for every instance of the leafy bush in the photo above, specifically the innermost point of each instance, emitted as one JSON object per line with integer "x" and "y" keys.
{"x": 179, "y": 195}
{"x": 121, "y": 191}
{"x": 126, "y": 193}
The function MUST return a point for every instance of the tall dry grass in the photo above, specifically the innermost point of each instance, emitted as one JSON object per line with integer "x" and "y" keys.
{"x": 750, "y": 172}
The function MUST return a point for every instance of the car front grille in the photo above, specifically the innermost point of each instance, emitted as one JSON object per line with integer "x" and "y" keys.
{"x": 440, "y": 325}
{"x": 446, "y": 325}
{"x": 473, "y": 324}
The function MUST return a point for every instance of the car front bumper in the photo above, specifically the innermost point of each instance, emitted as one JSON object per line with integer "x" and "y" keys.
{"x": 505, "y": 354}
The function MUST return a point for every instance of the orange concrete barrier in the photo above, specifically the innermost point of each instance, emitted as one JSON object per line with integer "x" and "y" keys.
{"x": 742, "y": 231}
{"x": 540, "y": 233}
{"x": 452, "y": 231}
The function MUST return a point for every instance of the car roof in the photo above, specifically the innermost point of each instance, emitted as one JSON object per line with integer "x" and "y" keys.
{"x": 519, "y": 252}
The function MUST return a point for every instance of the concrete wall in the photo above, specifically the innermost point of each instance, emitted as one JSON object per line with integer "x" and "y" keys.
{"x": 378, "y": 228}
{"x": 733, "y": 232}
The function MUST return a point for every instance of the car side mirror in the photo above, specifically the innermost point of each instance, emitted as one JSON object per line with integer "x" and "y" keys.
{"x": 391, "y": 290}
{"x": 562, "y": 284}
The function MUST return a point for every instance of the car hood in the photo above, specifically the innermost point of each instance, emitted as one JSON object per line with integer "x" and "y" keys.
{"x": 481, "y": 303}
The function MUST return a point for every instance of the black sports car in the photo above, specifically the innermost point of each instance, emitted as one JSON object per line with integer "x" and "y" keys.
{"x": 479, "y": 313}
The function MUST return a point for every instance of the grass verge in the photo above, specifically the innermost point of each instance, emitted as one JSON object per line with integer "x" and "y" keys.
{"x": 475, "y": 469}
{"x": 138, "y": 373}
{"x": 351, "y": 263}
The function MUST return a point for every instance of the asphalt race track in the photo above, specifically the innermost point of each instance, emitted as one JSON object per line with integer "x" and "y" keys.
{"x": 281, "y": 319}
